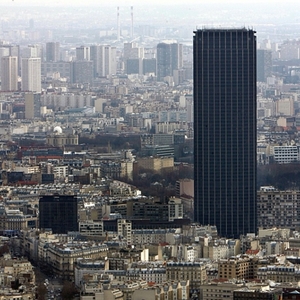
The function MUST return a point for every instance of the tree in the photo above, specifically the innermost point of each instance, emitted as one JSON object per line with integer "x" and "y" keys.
{"x": 41, "y": 291}
{"x": 68, "y": 291}
{"x": 4, "y": 249}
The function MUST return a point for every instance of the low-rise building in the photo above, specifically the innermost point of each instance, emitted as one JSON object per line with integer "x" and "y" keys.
{"x": 278, "y": 208}
{"x": 62, "y": 257}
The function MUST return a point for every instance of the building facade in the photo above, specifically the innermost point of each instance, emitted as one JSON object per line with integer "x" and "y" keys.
{"x": 278, "y": 208}
{"x": 32, "y": 105}
{"x": 58, "y": 212}
{"x": 225, "y": 129}
{"x": 264, "y": 64}
{"x": 9, "y": 73}
{"x": 169, "y": 58}
{"x": 31, "y": 74}
{"x": 52, "y": 51}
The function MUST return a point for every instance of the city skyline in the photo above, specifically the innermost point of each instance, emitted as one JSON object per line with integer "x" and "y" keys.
{"x": 135, "y": 2}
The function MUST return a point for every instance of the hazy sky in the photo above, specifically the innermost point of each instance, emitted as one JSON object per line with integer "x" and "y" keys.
{"x": 139, "y": 2}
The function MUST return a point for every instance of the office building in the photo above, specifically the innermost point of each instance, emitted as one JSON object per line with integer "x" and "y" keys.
{"x": 169, "y": 58}
{"x": 31, "y": 74}
{"x": 95, "y": 56}
{"x": 264, "y": 64}
{"x": 82, "y": 71}
{"x": 14, "y": 50}
{"x": 82, "y": 53}
{"x": 108, "y": 61}
{"x": 149, "y": 66}
{"x": 133, "y": 51}
{"x": 32, "y": 51}
{"x": 32, "y": 105}
{"x": 225, "y": 129}
{"x": 104, "y": 60}
{"x": 52, "y": 52}
{"x": 58, "y": 212}
{"x": 63, "y": 68}
{"x": 134, "y": 66}
{"x": 9, "y": 73}
{"x": 4, "y": 51}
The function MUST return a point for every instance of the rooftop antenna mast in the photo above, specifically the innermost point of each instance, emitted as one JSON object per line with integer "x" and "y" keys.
{"x": 118, "y": 23}
{"x": 132, "y": 21}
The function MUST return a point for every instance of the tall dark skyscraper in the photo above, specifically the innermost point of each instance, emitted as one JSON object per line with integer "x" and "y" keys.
{"x": 58, "y": 212}
{"x": 225, "y": 129}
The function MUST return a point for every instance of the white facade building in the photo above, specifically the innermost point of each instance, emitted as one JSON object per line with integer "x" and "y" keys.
{"x": 31, "y": 74}
{"x": 9, "y": 73}
{"x": 286, "y": 154}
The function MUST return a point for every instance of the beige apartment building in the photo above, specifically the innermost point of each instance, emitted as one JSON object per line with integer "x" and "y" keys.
{"x": 62, "y": 257}
{"x": 218, "y": 289}
{"x": 156, "y": 164}
{"x": 194, "y": 272}
{"x": 237, "y": 268}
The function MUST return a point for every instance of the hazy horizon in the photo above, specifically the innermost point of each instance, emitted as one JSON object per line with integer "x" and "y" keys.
{"x": 140, "y": 3}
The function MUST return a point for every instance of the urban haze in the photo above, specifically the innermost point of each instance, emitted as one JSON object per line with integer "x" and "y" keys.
{"x": 149, "y": 150}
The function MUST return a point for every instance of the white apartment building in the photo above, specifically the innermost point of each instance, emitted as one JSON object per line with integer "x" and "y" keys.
{"x": 69, "y": 100}
{"x": 278, "y": 208}
{"x": 31, "y": 74}
{"x": 9, "y": 73}
{"x": 286, "y": 154}
{"x": 60, "y": 171}
{"x": 276, "y": 247}
{"x": 125, "y": 230}
{"x": 175, "y": 209}
{"x": 156, "y": 274}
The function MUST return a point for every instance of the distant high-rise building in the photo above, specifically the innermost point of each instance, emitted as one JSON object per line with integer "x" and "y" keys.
{"x": 82, "y": 72}
{"x": 95, "y": 58}
{"x": 52, "y": 51}
{"x": 4, "y": 51}
{"x": 11, "y": 50}
{"x": 133, "y": 51}
{"x": 32, "y": 105}
{"x": 134, "y": 66}
{"x": 62, "y": 67}
{"x": 9, "y": 73}
{"x": 133, "y": 58}
{"x": 31, "y": 24}
{"x": 83, "y": 53}
{"x": 149, "y": 65}
{"x": 264, "y": 64}
{"x": 58, "y": 212}
{"x": 225, "y": 130}
{"x": 32, "y": 51}
{"x": 169, "y": 58}
{"x": 104, "y": 59}
{"x": 31, "y": 74}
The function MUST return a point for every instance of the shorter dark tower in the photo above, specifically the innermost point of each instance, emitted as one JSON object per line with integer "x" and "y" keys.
{"x": 58, "y": 212}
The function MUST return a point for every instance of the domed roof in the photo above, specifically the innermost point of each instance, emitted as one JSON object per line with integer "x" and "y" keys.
{"x": 57, "y": 129}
